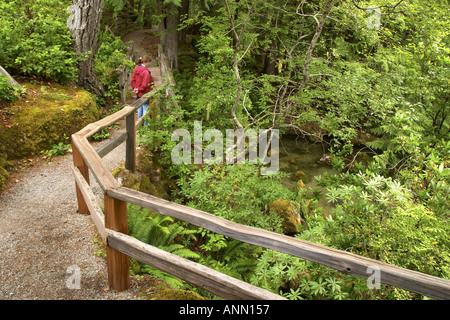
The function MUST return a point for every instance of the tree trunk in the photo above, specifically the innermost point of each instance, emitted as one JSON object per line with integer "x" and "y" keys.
{"x": 269, "y": 60}
{"x": 168, "y": 31}
{"x": 171, "y": 49}
{"x": 84, "y": 25}
{"x": 326, "y": 10}
{"x": 184, "y": 12}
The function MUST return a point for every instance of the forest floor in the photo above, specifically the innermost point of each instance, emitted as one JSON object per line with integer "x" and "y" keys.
{"x": 45, "y": 245}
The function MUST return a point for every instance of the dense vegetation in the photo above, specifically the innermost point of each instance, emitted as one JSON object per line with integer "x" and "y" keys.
{"x": 376, "y": 97}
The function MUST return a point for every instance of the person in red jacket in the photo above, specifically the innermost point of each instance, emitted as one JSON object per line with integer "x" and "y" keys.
{"x": 142, "y": 82}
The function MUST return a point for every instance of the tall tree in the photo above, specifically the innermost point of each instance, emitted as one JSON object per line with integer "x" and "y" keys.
{"x": 169, "y": 10}
{"x": 84, "y": 25}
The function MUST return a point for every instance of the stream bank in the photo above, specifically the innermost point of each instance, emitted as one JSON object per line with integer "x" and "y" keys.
{"x": 301, "y": 159}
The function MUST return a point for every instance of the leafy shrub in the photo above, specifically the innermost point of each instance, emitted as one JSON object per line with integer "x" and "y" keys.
{"x": 59, "y": 149}
{"x": 299, "y": 279}
{"x": 379, "y": 218}
{"x": 237, "y": 193}
{"x": 41, "y": 44}
{"x": 110, "y": 56}
{"x": 7, "y": 92}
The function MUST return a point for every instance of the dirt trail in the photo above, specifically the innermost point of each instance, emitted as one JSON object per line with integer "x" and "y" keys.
{"x": 45, "y": 245}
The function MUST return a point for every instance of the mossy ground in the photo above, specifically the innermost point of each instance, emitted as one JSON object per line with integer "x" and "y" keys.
{"x": 47, "y": 114}
{"x": 156, "y": 289}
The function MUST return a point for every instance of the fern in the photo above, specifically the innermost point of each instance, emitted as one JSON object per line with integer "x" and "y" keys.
{"x": 157, "y": 230}
{"x": 234, "y": 258}
{"x": 161, "y": 232}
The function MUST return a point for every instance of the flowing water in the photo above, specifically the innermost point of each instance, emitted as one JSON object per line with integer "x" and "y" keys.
{"x": 301, "y": 159}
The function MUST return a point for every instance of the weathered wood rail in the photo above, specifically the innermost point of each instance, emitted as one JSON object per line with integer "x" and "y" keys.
{"x": 113, "y": 228}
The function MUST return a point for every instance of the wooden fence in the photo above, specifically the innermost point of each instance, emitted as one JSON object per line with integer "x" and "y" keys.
{"x": 113, "y": 228}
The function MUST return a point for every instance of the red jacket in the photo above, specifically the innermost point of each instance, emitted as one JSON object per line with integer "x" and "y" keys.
{"x": 142, "y": 80}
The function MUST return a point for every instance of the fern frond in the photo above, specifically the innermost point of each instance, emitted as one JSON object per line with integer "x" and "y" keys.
{"x": 181, "y": 251}
{"x": 233, "y": 249}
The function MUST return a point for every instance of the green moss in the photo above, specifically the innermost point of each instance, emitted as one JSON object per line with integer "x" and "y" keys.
{"x": 154, "y": 180}
{"x": 126, "y": 178}
{"x": 57, "y": 96}
{"x": 38, "y": 121}
{"x": 174, "y": 294}
{"x": 288, "y": 211}
{"x": 4, "y": 174}
{"x": 156, "y": 289}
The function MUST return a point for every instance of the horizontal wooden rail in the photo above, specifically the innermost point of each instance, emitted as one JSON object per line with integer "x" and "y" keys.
{"x": 111, "y": 145}
{"x": 213, "y": 281}
{"x": 343, "y": 261}
{"x": 96, "y": 213}
{"x": 95, "y": 163}
{"x": 97, "y": 126}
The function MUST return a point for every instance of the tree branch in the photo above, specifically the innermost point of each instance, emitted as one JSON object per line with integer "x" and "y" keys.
{"x": 236, "y": 60}
{"x": 385, "y": 6}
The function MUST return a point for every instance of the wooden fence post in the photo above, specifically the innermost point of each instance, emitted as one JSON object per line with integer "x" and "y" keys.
{"x": 79, "y": 163}
{"x": 130, "y": 157}
{"x": 118, "y": 263}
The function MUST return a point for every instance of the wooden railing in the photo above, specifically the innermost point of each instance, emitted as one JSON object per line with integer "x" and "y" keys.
{"x": 113, "y": 228}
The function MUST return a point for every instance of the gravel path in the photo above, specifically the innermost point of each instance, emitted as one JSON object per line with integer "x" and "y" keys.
{"x": 45, "y": 245}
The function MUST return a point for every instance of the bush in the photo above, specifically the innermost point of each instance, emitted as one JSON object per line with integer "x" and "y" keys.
{"x": 379, "y": 218}
{"x": 41, "y": 44}
{"x": 7, "y": 92}
{"x": 110, "y": 56}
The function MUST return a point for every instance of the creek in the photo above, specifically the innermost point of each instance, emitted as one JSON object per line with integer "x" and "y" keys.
{"x": 301, "y": 159}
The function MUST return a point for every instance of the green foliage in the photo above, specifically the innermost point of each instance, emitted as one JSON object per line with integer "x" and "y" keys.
{"x": 7, "y": 92}
{"x": 158, "y": 231}
{"x": 157, "y": 134}
{"x": 378, "y": 217}
{"x": 298, "y": 279}
{"x": 382, "y": 90}
{"x": 104, "y": 134}
{"x": 237, "y": 193}
{"x": 110, "y": 58}
{"x": 35, "y": 40}
{"x": 59, "y": 149}
{"x": 205, "y": 96}
{"x": 234, "y": 258}
{"x": 100, "y": 248}
{"x": 161, "y": 232}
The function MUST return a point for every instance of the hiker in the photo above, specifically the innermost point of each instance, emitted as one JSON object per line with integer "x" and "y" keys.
{"x": 142, "y": 82}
